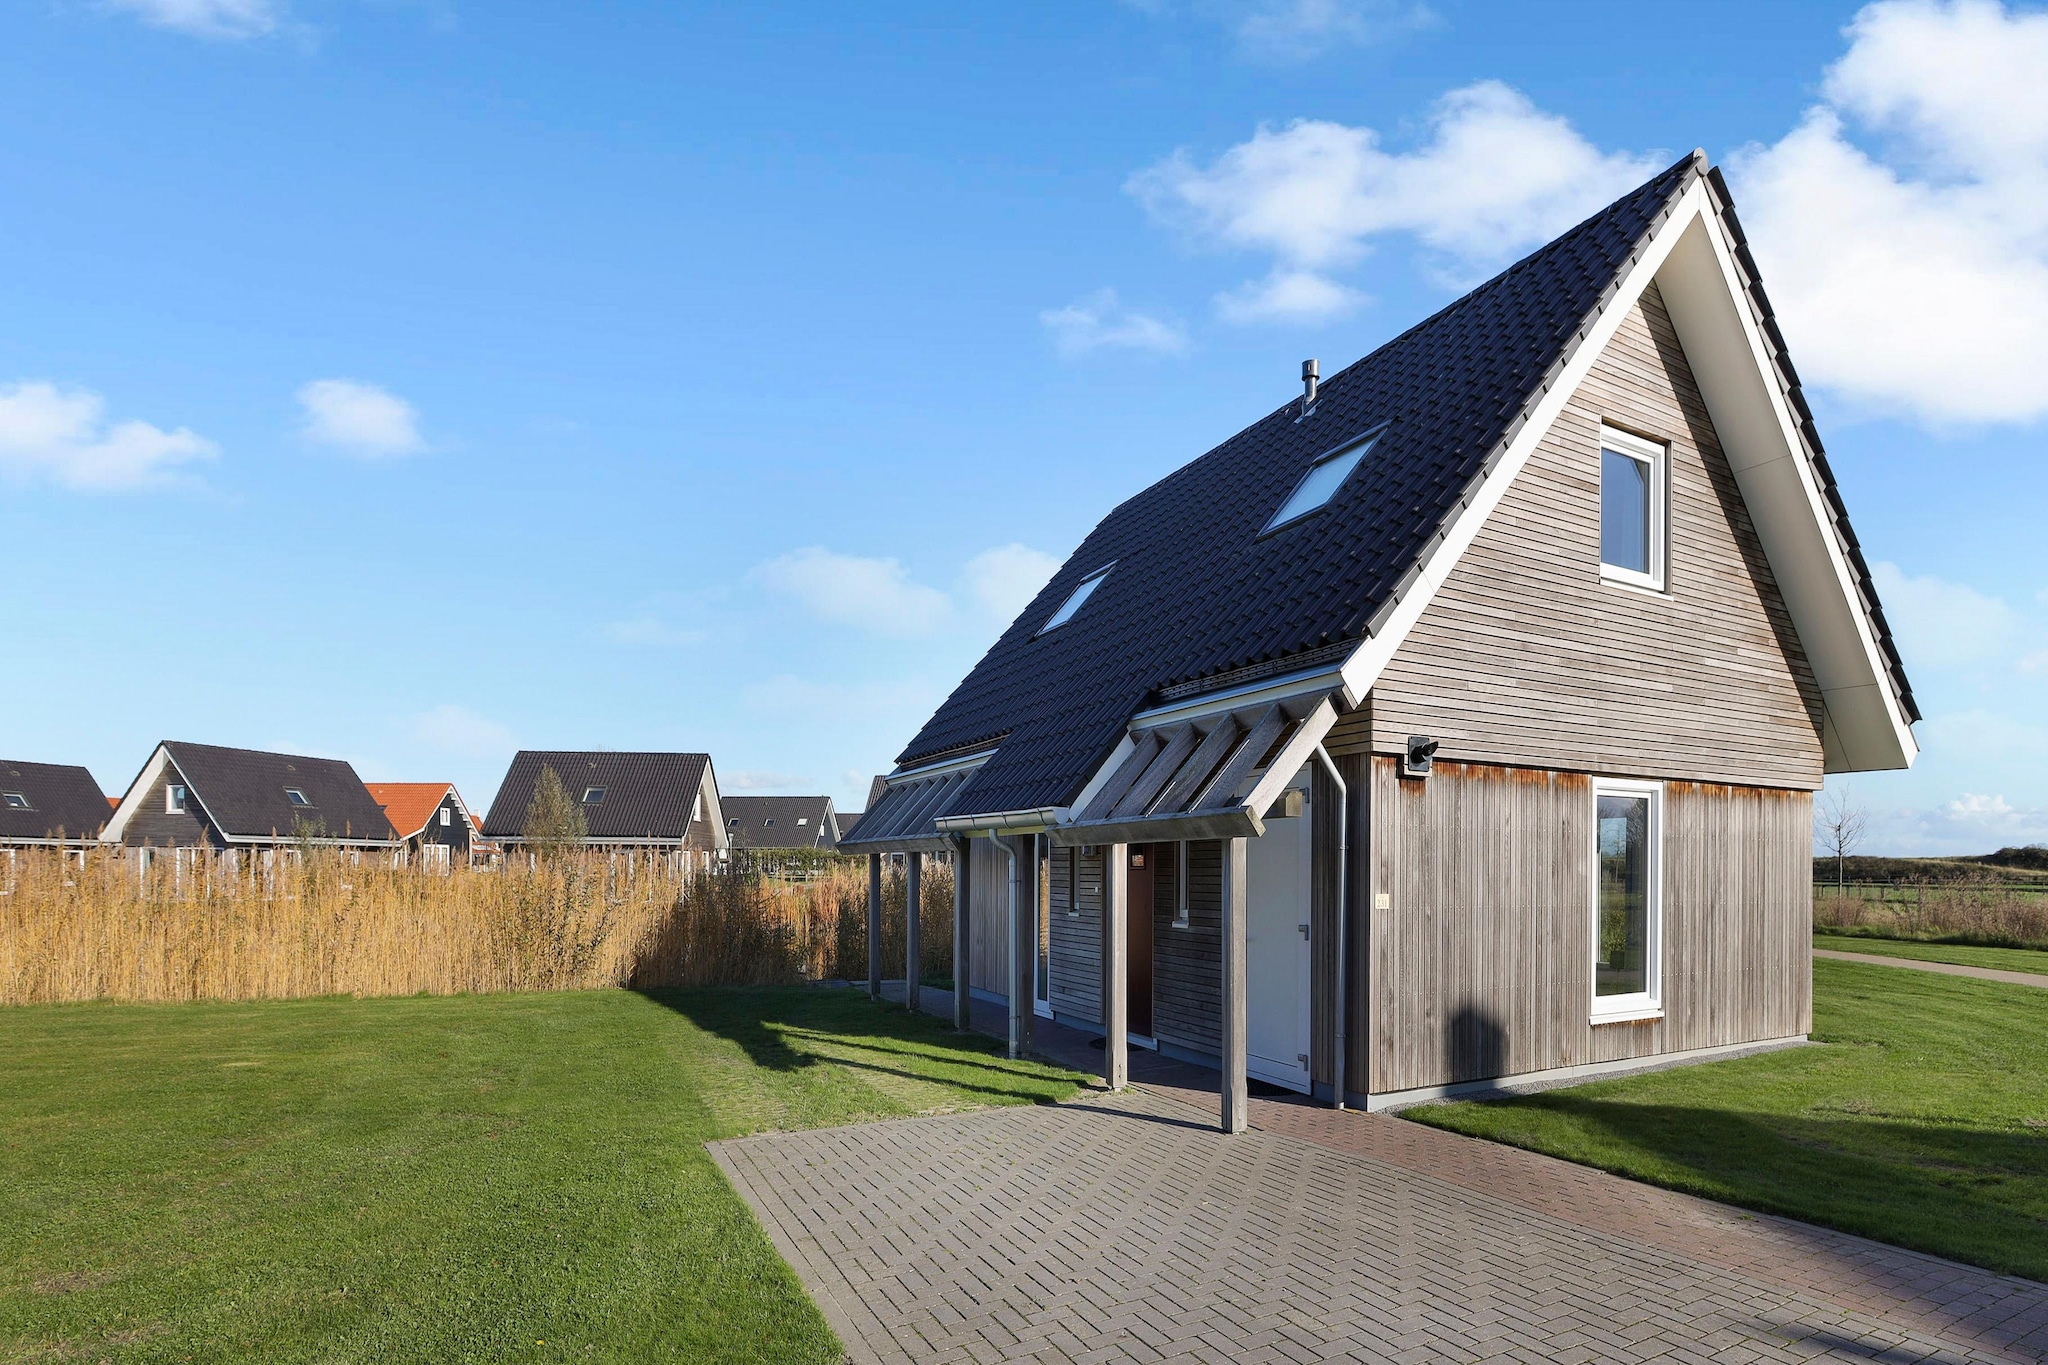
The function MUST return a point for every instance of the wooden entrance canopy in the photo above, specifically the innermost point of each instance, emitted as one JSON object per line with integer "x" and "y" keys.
{"x": 1208, "y": 777}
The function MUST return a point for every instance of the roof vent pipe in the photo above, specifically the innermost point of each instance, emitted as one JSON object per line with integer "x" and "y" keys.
{"x": 1309, "y": 375}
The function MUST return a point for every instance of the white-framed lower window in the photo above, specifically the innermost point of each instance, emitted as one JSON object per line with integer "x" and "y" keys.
{"x": 1180, "y": 885}
{"x": 1628, "y": 877}
{"x": 1633, "y": 474}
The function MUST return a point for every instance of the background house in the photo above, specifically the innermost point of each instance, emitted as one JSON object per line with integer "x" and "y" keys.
{"x": 429, "y": 817}
{"x": 207, "y": 796}
{"x": 658, "y": 801}
{"x": 49, "y": 804}
{"x": 781, "y": 822}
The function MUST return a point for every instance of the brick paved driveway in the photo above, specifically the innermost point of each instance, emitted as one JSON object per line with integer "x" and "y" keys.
{"x": 1127, "y": 1228}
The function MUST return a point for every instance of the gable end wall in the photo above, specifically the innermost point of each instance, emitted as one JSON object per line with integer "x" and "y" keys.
{"x": 1525, "y": 657}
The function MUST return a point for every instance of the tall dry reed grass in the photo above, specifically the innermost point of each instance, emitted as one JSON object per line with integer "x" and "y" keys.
{"x": 1993, "y": 915}
{"x": 203, "y": 928}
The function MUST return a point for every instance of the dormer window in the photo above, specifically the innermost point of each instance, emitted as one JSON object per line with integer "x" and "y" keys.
{"x": 1075, "y": 599}
{"x": 1322, "y": 481}
{"x": 291, "y": 794}
{"x": 15, "y": 801}
{"x": 593, "y": 796}
{"x": 1632, "y": 533}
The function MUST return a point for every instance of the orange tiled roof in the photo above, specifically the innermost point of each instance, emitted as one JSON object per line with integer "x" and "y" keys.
{"x": 409, "y": 805}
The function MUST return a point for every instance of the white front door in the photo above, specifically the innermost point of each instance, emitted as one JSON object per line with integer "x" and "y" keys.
{"x": 1277, "y": 948}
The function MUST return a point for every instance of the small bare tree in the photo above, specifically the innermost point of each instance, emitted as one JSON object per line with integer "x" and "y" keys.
{"x": 554, "y": 822}
{"x": 1838, "y": 824}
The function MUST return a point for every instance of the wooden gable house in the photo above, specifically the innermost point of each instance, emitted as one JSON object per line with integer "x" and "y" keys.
{"x": 1453, "y": 726}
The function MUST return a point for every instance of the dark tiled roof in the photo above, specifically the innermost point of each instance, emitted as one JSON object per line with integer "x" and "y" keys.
{"x": 772, "y": 821}
{"x": 63, "y": 799}
{"x": 243, "y": 790}
{"x": 646, "y": 796}
{"x": 1197, "y": 592}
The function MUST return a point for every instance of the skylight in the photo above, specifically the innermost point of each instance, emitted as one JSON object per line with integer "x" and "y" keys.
{"x": 1321, "y": 483}
{"x": 1074, "y": 600}
{"x": 15, "y": 801}
{"x": 593, "y": 796}
{"x": 296, "y": 797}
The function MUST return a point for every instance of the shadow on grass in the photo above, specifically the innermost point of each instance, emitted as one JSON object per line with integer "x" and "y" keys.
{"x": 772, "y": 1026}
{"x": 1973, "y": 1194}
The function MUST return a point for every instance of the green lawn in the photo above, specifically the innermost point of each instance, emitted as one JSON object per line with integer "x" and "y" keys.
{"x": 1962, "y": 955}
{"x": 1921, "y": 1119}
{"x": 478, "y": 1178}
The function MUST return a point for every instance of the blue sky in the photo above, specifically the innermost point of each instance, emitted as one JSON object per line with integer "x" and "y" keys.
{"x": 413, "y": 382}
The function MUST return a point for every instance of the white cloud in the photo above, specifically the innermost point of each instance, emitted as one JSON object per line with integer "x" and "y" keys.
{"x": 1299, "y": 30}
{"x": 1100, "y": 322}
{"x": 1001, "y": 582}
{"x": 1288, "y": 296}
{"x": 1942, "y": 625}
{"x": 761, "y": 780}
{"x": 457, "y": 730}
{"x": 207, "y": 18}
{"x": 880, "y": 597}
{"x": 1497, "y": 175}
{"x": 359, "y": 419}
{"x": 650, "y": 630}
{"x": 876, "y": 595}
{"x": 62, "y": 435}
{"x": 1917, "y": 280}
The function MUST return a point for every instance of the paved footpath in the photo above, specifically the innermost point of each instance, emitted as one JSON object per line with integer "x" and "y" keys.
{"x": 1945, "y": 968}
{"x": 1125, "y": 1227}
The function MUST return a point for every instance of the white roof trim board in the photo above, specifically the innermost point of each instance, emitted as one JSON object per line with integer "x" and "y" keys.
{"x": 1690, "y": 259}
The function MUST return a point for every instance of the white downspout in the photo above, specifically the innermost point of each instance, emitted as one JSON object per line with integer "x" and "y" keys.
{"x": 1017, "y": 1004}
{"x": 1339, "y": 1006}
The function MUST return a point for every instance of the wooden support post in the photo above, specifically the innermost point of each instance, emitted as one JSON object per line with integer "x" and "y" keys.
{"x": 874, "y": 926}
{"x": 963, "y": 995}
{"x": 1022, "y": 851}
{"x": 1235, "y": 1096}
{"x": 913, "y": 910}
{"x": 1116, "y": 954}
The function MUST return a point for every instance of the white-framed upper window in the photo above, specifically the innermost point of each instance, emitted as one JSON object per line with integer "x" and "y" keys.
{"x": 16, "y": 801}
{"x": 174, "y": 799}
{"x": 1632, "y": 497}
{"x": 769, "y": 823}
{"x": 296, "y": 797}
{"x": 1075, "y": 599}
{"x": 697, "y": 808}
{"x": 1322, "y": 481}
{"x": 593, "y": 796}
{"x": 447, "y": 817}
{"x": 1628, "y": 895}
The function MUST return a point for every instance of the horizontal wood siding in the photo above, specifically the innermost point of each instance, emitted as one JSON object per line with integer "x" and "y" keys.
{"x": 1187, "y": 963}
{"x": 1526, "y": 657}
{"x": 1483, "y": 961}
{"x": 988, "y": 904}
{"x": 1076, "y": 923}
{"x": 157, "y": 827}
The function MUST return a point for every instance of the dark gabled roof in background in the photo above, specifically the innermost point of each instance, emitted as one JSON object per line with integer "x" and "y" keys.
{"x": 747, "y": 821}
{"x": 646, "y": 796}
{"x": 66, "y": 799}
{"x": 242, "y": 790}
{"x": 1197, "y": 592}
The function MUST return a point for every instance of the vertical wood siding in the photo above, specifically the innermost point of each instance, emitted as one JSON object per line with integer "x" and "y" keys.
{"x": 1483, "y": 963}
{"x": 1526, "y": 657}
{"x": 988, "y": 907}
{"x": 1077, "y": 890}
{"x": 1187, "y": 964}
